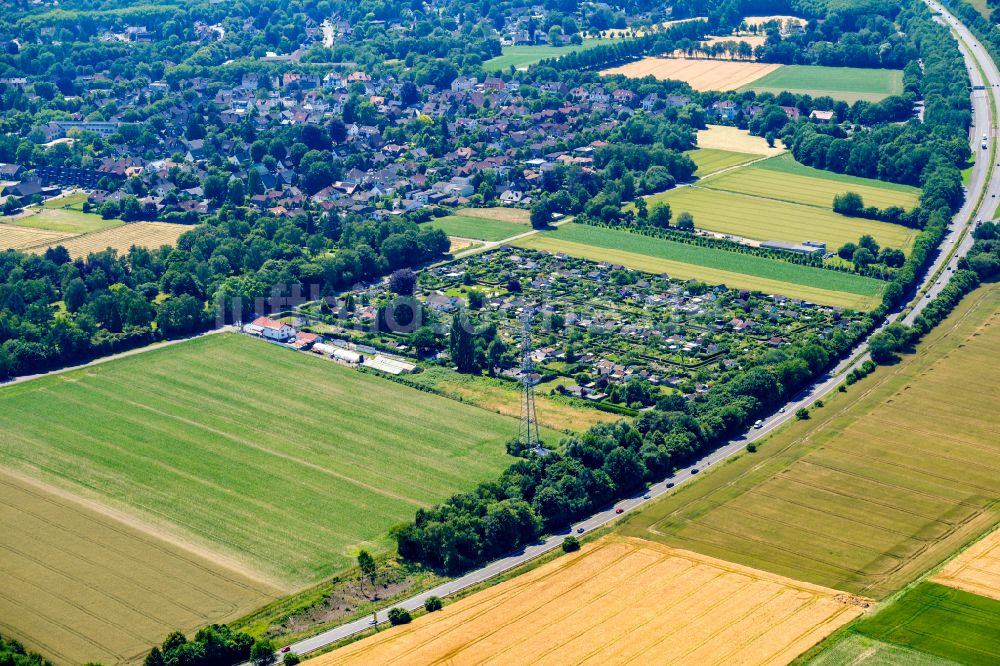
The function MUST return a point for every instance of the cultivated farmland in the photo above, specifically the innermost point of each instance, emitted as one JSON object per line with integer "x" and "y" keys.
{"x": 700, "y": 74}
{"x": 761, "y": 219}
{"x": 288, "y": 463}
{"x": 13, "y": 237}
{"x": 712, "y": 160}
{"x": 977, "y": 570}
{"x": 849, "y": 84}
{"x": 875, "y": 489}
{"x": 680, "y": 260}
{"x": 941, "y": 621}
{"x": 784, "y": 179}
{"x": 140, "y": 234}
{"x": 617, "y": 601}
{"x": 81, "y": 585}
{"x": 855, "y": 650}
{"x": 476, "y": 228}
{"x": 487, "y": 224}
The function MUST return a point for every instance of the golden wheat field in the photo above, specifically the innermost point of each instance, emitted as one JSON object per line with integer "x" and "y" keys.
{"x": 19, "y": 238}
{"x": 977, "y": 570}
{"x": 619, "y": 600}
{"x": 81, "y": 584}
{"x": 140, "y": 234}
{"x": 700, "y": 74}
{"x": 725, "y": 137}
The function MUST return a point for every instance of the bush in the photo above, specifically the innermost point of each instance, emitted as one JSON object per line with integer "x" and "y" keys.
{"x": 751, "y": 448}
{"x": 818, "y": 403}
{"x": 399, "y": 616}
{"x": 432, "y": 604}
{"x": 570, "y": 544}
{"x": 291, "y": 659}
{"x": 802, "y": 414}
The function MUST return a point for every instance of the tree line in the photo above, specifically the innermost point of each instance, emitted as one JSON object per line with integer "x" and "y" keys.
{"x": 226, "y": 267}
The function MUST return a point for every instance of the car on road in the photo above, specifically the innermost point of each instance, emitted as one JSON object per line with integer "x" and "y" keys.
{"x": 579, "y": 530}
{"x": 670, "y": 485}
{"x": 619, "y": 510}
{"x": 758, "y": 424}
{"x": 647, "y": 496}
{"x": 782, "y": 410}
{"x": 286, "y": 649}
{"x": 694, "y": 470}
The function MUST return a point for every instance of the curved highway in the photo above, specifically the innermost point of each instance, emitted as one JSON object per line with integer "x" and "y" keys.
{"x": 982, "y": 197}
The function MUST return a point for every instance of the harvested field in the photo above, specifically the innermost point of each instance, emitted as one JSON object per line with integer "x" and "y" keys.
{"x": 80, "y": 585}
{"x": 724, "y": 137}
{"x": 940, "y": 621}
{"x": 681, "y": 260}
{"x": 460, "y": 244}
{"x": 616, "y": 601}
{"x": 13, "y": 237}
{"x": 977, "y": 570}
{"x": 140, "y": 234}
{"x": 884, "y": 483}
{"x": 849, "y": 84}
{"x": 210, "y": 439}
{"x": 700, "y": 74}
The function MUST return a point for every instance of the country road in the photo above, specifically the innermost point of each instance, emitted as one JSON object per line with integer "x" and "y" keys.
{"x": 982, "y": 197}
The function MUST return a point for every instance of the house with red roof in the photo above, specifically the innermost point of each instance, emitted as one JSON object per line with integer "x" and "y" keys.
{"x": 270, "y": 329}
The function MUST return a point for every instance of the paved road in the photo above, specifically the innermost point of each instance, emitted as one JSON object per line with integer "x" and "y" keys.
{"x": 984, "y": 175}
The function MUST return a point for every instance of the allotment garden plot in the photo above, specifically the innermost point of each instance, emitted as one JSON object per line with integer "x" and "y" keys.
{"x": 285, "y": 462}
{"x": 712, "y": 265}
{"x": 880, "y": 489}
{"x": 618, "y": 601}
{"x": 81, "y": 585}
{"x": 599, "y": 328}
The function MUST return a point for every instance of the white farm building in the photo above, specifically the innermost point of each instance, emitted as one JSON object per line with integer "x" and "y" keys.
{"x": 270, "y": 329}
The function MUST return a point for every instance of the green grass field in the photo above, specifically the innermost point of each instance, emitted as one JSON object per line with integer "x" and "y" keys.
{"x": 711, "y": 160}
{"x": 477, "y": 228}
{"x": 879, "y": 486}
{"x": 855, "y": 650}
{"x": 714, "y": 266}
{"x": 940, "y": 621}
{"x": 288, "y": 462}
{"x": 842, "y": 83}
{"x": 525, "y": 56}
{"x": 66, "y": 220}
